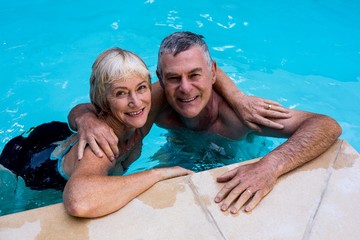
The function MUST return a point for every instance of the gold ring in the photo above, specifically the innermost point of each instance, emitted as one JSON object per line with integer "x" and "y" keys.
{"x": 269, "y": 106}
{"x": 247, "y": 190}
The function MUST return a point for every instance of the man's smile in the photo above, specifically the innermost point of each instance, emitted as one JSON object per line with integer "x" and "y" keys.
{"x": 187, "y": 99}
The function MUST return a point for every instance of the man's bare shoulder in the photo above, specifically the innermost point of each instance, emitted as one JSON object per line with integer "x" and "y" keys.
{"x": 229, "y": 124}
{"x": 167, "y": 118}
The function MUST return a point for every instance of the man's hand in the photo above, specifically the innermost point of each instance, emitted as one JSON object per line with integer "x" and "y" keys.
{"x": 98, "y": 135}
{"x": 247, "y": 184}
{"x": 255, "y": 111}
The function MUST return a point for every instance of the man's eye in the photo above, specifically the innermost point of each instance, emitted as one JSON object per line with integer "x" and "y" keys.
{"x": 173, "y": 79}
{"x": 194, "y": 75}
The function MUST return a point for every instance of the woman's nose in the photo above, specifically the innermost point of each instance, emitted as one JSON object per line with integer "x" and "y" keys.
{"x": 133, "y": 100}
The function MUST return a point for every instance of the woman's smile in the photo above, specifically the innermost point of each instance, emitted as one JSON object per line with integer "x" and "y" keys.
{"x": 135, "y": 113}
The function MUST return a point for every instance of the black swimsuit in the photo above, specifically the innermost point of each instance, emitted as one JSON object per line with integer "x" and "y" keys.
{"x": 29, "y": 157}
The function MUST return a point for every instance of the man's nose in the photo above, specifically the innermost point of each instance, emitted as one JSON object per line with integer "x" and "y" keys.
{"x": 185, "y": 85}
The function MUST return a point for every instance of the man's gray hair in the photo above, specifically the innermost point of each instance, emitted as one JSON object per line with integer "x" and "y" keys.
{"x": 181, "y": 41}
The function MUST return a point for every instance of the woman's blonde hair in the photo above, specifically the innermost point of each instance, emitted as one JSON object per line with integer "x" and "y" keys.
{"x": 113, "y": 64}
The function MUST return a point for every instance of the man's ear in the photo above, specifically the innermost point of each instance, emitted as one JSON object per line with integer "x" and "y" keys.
{"x": 160, "y": 79}
{"x": 213, "y": 71}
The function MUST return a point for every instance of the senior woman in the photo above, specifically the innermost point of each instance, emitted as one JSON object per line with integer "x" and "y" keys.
{"x": 120, "y": 90}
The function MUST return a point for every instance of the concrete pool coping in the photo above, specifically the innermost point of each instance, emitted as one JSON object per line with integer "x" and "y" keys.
{"x": 319, "y": 200}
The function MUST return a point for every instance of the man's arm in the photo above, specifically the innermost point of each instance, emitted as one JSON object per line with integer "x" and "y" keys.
{"x": 254, "y": 111}
{"x": 91, "y": 130}
{"x": 309, "y": 136}
{"x": 98, "y": 135}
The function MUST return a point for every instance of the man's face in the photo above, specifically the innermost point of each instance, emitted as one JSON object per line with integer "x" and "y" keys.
{"x": 187, "y": 81}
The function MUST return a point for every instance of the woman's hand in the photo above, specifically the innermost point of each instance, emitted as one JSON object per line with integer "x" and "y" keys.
{"x": 171, "y": 172}
{"x": 255, "y": 111}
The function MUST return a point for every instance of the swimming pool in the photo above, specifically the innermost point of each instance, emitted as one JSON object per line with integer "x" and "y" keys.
{"x": 305, "y": 55}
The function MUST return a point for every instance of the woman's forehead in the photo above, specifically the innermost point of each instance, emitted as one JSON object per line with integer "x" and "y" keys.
{"x": 129, "y": 81}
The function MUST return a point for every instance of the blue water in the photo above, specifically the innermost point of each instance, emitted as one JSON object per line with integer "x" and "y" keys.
{"x": 303, "y": 54}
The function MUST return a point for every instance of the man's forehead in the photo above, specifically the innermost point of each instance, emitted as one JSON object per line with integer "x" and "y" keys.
{"x": 189, "y": 60}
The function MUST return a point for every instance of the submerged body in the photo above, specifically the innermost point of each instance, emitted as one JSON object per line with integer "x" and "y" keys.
{"x": 30, "y": 156}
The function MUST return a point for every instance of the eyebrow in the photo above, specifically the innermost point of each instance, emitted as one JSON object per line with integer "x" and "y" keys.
{"x": 196, "y": 70}
{"x": 169, "y": 74}
{"x": 120, "y": 87}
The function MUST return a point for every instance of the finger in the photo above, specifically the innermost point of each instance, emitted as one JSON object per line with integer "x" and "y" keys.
{"x": 254, "y": 202}
{"x": 269, "y": 123}
{"x": 175, "y": 172}
{"x": 253, "y": 126}
{"x": 277, "y": 114}
{"x": 95, "y": 148}
{"x": 278, "y": 109}
{"x": 226, "y": 189}
{"x": 186, "y": 172}
{"x": 81, "y": 147}
{"x": 232, "y": 196}
{"x": 114, "y": 144}
{"x": 274, "y": 103}
{"x": 109, "y": 153}
{"x": 227, "y": 176}
{"x": 245, "y": 196}
{"x": 105, "y": 147}
{"x": 275, "y": 107}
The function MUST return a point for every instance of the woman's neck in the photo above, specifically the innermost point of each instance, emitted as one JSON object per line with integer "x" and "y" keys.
{"x": 124, "y": 133}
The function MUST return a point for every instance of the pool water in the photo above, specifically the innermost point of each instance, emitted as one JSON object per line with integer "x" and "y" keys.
{"x": 305, "y": 55}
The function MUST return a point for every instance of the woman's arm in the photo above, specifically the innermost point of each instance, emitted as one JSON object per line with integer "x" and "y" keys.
{"x": 90, "y": 192}
{"x": 254, "y": 111}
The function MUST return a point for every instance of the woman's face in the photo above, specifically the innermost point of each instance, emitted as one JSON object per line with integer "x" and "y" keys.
{"x": 130, "y": 100}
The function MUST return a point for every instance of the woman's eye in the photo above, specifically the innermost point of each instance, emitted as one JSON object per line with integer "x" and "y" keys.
{"x": 142, "y": 88}
{"x": 120, "y": 93}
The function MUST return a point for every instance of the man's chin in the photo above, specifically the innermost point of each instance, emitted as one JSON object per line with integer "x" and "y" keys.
{"x": 188, "y": 114}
